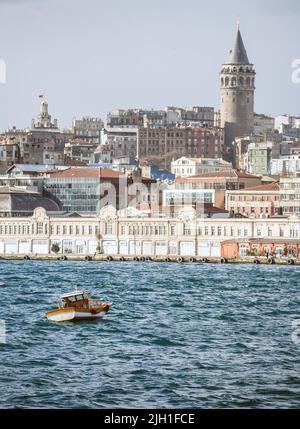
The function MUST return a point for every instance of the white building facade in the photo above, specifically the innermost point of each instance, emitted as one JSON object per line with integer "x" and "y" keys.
{"x": 111, "y": 234}
{"x": 189, "y": 167}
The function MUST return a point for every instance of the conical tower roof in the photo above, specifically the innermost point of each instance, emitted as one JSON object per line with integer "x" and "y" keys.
{"x": 238, "y": 54}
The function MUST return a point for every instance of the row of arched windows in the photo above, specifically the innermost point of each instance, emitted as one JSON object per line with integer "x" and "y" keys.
{"x": 235, "y": 70}
{"x": 242, "y": 81}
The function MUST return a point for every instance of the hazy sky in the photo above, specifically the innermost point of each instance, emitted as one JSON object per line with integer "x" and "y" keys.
{"x": 92, "y": 56}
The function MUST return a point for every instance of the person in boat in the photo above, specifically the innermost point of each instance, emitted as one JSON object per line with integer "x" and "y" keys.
{"x": 80, "y": 300}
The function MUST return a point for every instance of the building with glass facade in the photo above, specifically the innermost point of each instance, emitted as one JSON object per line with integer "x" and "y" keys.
{"x": 79, "y": 190}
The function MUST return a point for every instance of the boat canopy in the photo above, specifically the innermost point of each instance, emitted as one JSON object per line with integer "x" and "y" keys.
{"x": 72, "y": 294}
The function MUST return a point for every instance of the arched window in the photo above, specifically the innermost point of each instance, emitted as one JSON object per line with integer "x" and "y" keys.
{"x": 226, "y": 81}
{"x": 241, "y": 69}
{"x": 222, "y": 82}
{"x": 233, "y": 81}
{"x": 241, "y": 80}
{"x": 234, "y": 69}
{"x": 248, "y": 81}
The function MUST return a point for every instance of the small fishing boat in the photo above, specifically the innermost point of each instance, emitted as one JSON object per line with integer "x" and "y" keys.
{"x": 77, "y": 306}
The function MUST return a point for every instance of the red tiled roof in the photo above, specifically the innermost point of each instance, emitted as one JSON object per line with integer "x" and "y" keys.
{"x": 247, "y": 176}
{"x": 87, "y": 172}
{"x": 270, "y": 187}
{"x": 216, "y": 174}
{"x": 220, "y": 174}
{"x": 228, "y": 174}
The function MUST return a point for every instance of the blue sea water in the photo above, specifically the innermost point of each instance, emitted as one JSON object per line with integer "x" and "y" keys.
{"x": 178, "y": 336}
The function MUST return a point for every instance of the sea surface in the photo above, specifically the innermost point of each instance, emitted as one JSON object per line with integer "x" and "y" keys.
{"x": 178, "y": 336}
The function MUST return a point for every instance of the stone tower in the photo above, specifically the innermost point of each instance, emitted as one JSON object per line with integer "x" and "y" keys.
{"x": 237, "y": 95}
{"x": 43, "y": 120}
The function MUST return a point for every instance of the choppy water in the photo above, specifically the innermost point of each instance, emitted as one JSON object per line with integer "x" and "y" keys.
{"x": 177, "y": 336}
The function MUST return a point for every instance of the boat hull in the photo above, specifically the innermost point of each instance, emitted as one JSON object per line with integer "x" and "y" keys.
{"x": 73, "y": 315}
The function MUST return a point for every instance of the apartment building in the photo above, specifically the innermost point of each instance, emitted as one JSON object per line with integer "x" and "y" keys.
{"x": 219, "y": 183}
{"x": 290, "y": 195}
{"x": 189, "y": 167}
{"x": 259, "y": 201}
{"x": 88, "y": 129}
{"x": 161, "y": 146}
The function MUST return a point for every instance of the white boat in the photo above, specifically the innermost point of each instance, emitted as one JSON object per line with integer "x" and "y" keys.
{"x": 77, "y": 306}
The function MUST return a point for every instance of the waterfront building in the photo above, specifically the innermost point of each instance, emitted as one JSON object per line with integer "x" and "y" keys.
{"x": 118, "y": 233}
{"x": 270, "y": 247}
{"x": 237, "y": 80}
{"x": 189, "y": 167}
{"x": 259, "y": 201}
